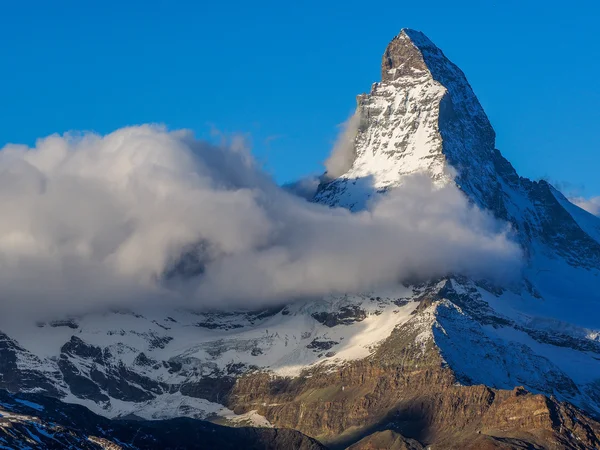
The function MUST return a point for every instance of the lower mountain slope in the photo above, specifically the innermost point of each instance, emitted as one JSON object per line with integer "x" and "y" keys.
{"x": 35, "y": 421}
{"x": 407, "y": 385}
{"x": 435, "y": 363}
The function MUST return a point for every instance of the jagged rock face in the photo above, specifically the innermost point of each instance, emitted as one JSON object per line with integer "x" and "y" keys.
{"x": 436, "y": 363}
{"x": 22, "y": 371}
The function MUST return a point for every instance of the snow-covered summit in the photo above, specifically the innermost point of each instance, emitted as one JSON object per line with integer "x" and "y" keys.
{"x": 422, "y": 117}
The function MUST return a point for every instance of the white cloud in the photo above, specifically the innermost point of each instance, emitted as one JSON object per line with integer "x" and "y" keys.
{"x": 344, "y": 150}
{"x": 304, "y": 187}
{"x": 591, "y": 205}
{"x": 90, "y": 222}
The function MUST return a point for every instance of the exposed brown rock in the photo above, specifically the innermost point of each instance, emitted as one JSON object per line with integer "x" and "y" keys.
{"x": 405, "y": 383}
{"x": 401, "y": 58}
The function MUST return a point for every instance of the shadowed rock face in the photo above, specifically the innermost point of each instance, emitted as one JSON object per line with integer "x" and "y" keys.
{"x": 15, "y": 377}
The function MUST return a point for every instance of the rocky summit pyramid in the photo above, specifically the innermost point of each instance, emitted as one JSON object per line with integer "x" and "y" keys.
{"x": 451, "y": 363}
{"x": 422, "y": 117}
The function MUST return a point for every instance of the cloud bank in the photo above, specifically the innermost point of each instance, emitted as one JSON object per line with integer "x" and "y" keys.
{"x": 144, "y": 215}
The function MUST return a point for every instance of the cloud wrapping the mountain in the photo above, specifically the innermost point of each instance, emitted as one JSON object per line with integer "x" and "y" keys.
{"x": 144, "y": 215}
{"x": 343, "y": 153}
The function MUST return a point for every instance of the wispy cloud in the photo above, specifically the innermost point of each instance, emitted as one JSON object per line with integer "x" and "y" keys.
{"x": 272, "y": 138}
{"x": 343, "y": 154}
{"x": 591, "y": 205}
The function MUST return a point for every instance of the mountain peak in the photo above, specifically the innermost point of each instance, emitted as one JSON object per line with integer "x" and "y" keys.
{"x": 422, "y": 117}
{"x": 404, "y": 55}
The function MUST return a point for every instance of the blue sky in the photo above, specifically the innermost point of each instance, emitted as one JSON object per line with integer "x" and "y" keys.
{"x": 286, "y": 73}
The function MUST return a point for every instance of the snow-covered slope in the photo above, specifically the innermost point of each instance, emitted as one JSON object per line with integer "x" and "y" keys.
{"x": 166, "y": 363}
{"x": 422, "y": 117}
